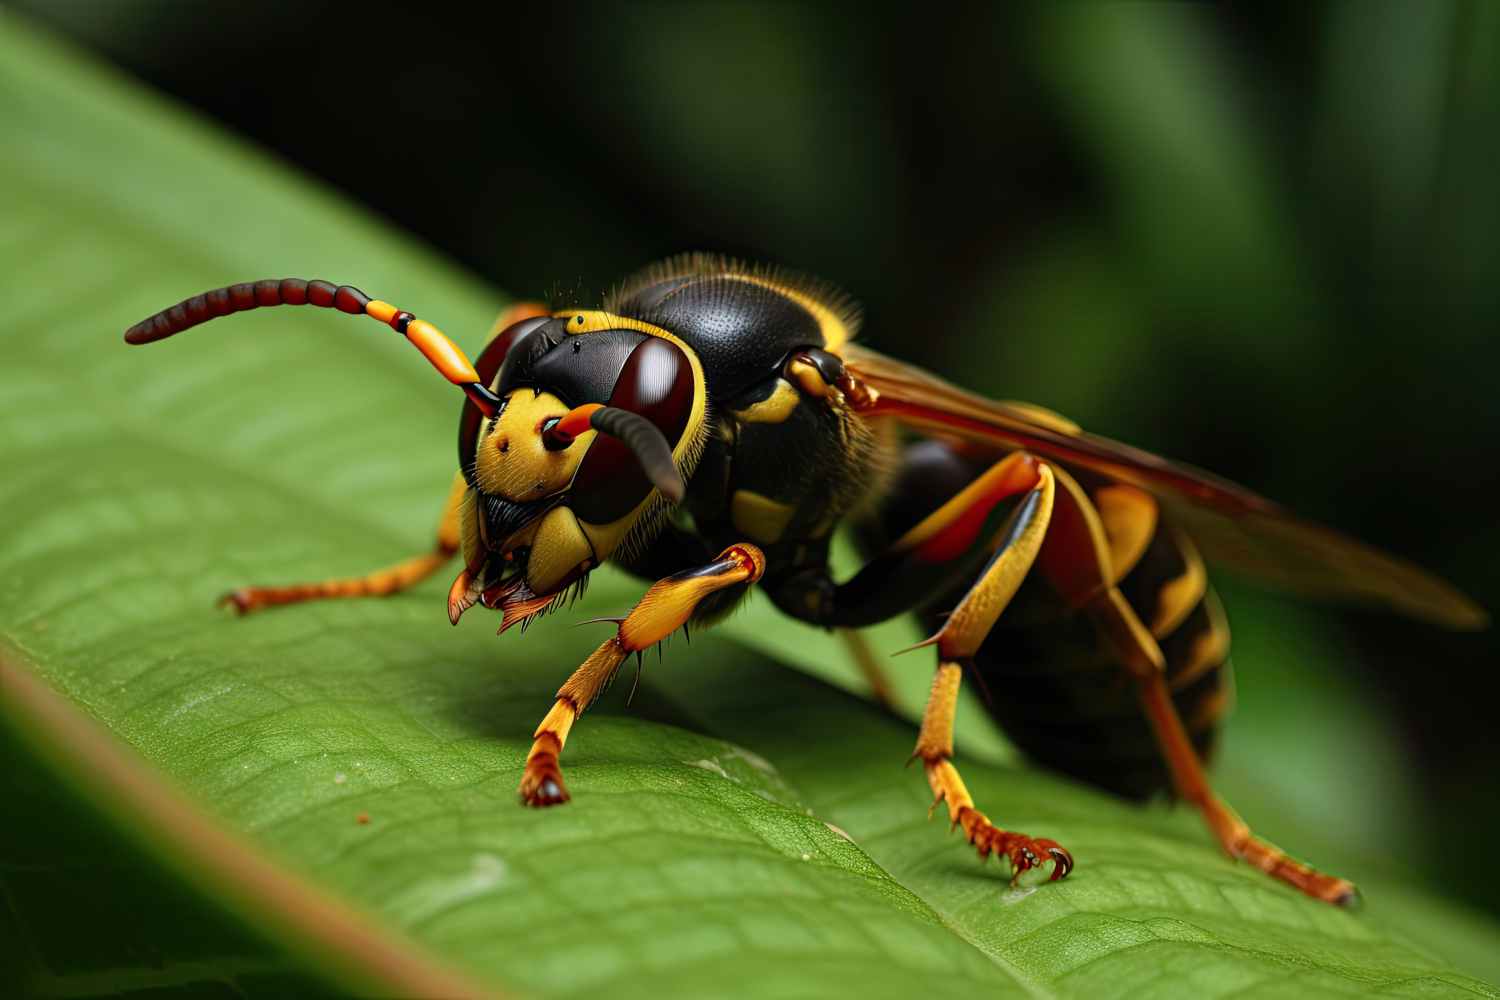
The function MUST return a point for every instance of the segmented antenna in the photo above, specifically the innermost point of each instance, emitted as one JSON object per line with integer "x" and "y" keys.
{"x": 444, "y": 355}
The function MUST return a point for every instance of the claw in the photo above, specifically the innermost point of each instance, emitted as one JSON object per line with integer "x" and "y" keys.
{"x": 1024, "y": 853}
{"x": 1064, "y": 860}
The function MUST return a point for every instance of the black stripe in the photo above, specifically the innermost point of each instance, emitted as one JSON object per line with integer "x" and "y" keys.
{"x": 1067, "y": 703}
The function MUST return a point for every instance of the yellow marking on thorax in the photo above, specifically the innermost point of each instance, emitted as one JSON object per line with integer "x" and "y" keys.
{"x": 763, "y": 519}
{"x": 774, "y": 409}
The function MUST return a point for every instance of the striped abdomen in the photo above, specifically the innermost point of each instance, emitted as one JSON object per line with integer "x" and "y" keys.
{"x": 1066, "y": 702}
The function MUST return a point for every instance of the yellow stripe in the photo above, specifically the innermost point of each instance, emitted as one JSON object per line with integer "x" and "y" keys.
{"x": 1207, "y": 650}
{"x": 1081, "y": 580}
{"x": 774, "y": 409}
{"x": 763, "y": 519}
{"x": 1179, "y": 596}
{"x": 976, "y": 614}
{"x": 1129, "y": 516}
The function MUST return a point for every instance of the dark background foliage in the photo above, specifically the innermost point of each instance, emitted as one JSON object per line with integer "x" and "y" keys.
{"x": 1266, "y": 241}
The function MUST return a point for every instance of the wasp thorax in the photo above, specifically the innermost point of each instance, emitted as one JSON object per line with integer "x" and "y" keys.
{"x": 512, "y": 460}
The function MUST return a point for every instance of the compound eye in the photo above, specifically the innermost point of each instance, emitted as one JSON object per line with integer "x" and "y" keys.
{"x": 656, "y": 384}
{"x": 528, "y": 340}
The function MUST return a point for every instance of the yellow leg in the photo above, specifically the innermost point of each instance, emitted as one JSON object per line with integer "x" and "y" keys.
{"x": 935, "y": 747}
{"x": 387, "y": 580}
{"x": 1078, "y": 560}
{"x": 666, "y": 607}
{"x": 957, "y": 642}
{"x": 1123, "y": 629}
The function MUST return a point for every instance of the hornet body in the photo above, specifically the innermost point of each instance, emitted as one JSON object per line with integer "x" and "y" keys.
{"x": 712, "y": 424}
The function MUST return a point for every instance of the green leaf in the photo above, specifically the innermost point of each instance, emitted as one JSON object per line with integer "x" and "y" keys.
{"x": 743, "y": 829}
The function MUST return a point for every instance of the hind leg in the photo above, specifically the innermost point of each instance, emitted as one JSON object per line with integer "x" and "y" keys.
{"x": 386, "y": 580}
{"x": 1077, "y": 560}
{"x": 960, "y": 638}
{"x": 975, "y": 532}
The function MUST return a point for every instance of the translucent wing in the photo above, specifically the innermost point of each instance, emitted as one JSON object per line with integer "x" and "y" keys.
{"x": 1232, "y": 525}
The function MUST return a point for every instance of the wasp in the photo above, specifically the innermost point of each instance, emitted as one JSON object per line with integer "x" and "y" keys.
{"x": 713, "y": 423}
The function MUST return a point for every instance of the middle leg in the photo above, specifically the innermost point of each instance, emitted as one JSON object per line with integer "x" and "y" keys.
{"x": 967, "y": 536}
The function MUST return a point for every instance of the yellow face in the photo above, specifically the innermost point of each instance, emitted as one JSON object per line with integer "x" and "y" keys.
{"x": 520, "y": 536}
{"x": 511, "y": 462}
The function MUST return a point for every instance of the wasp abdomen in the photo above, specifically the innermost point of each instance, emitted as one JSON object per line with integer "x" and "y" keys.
{"x": 1059, "y": 694}
{"x": 1066, "y": 701}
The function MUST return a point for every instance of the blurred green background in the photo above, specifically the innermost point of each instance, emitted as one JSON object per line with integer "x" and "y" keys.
{"x": 1265, "y": 240}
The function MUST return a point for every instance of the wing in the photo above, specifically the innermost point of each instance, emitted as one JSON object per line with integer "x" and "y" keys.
{"x": 1232, "y": 525}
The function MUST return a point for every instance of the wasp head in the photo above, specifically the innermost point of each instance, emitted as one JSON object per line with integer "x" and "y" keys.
{"x": 580, "y": 457}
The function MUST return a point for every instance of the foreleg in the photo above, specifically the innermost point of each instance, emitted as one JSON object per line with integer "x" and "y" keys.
{"x": 666, "y": 607}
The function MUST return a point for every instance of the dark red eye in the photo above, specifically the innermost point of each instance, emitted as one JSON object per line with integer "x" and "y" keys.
{"x": 657, "y": 383}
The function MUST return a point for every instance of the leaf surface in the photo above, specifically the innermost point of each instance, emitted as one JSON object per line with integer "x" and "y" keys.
{"x": 742, "y": 829}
